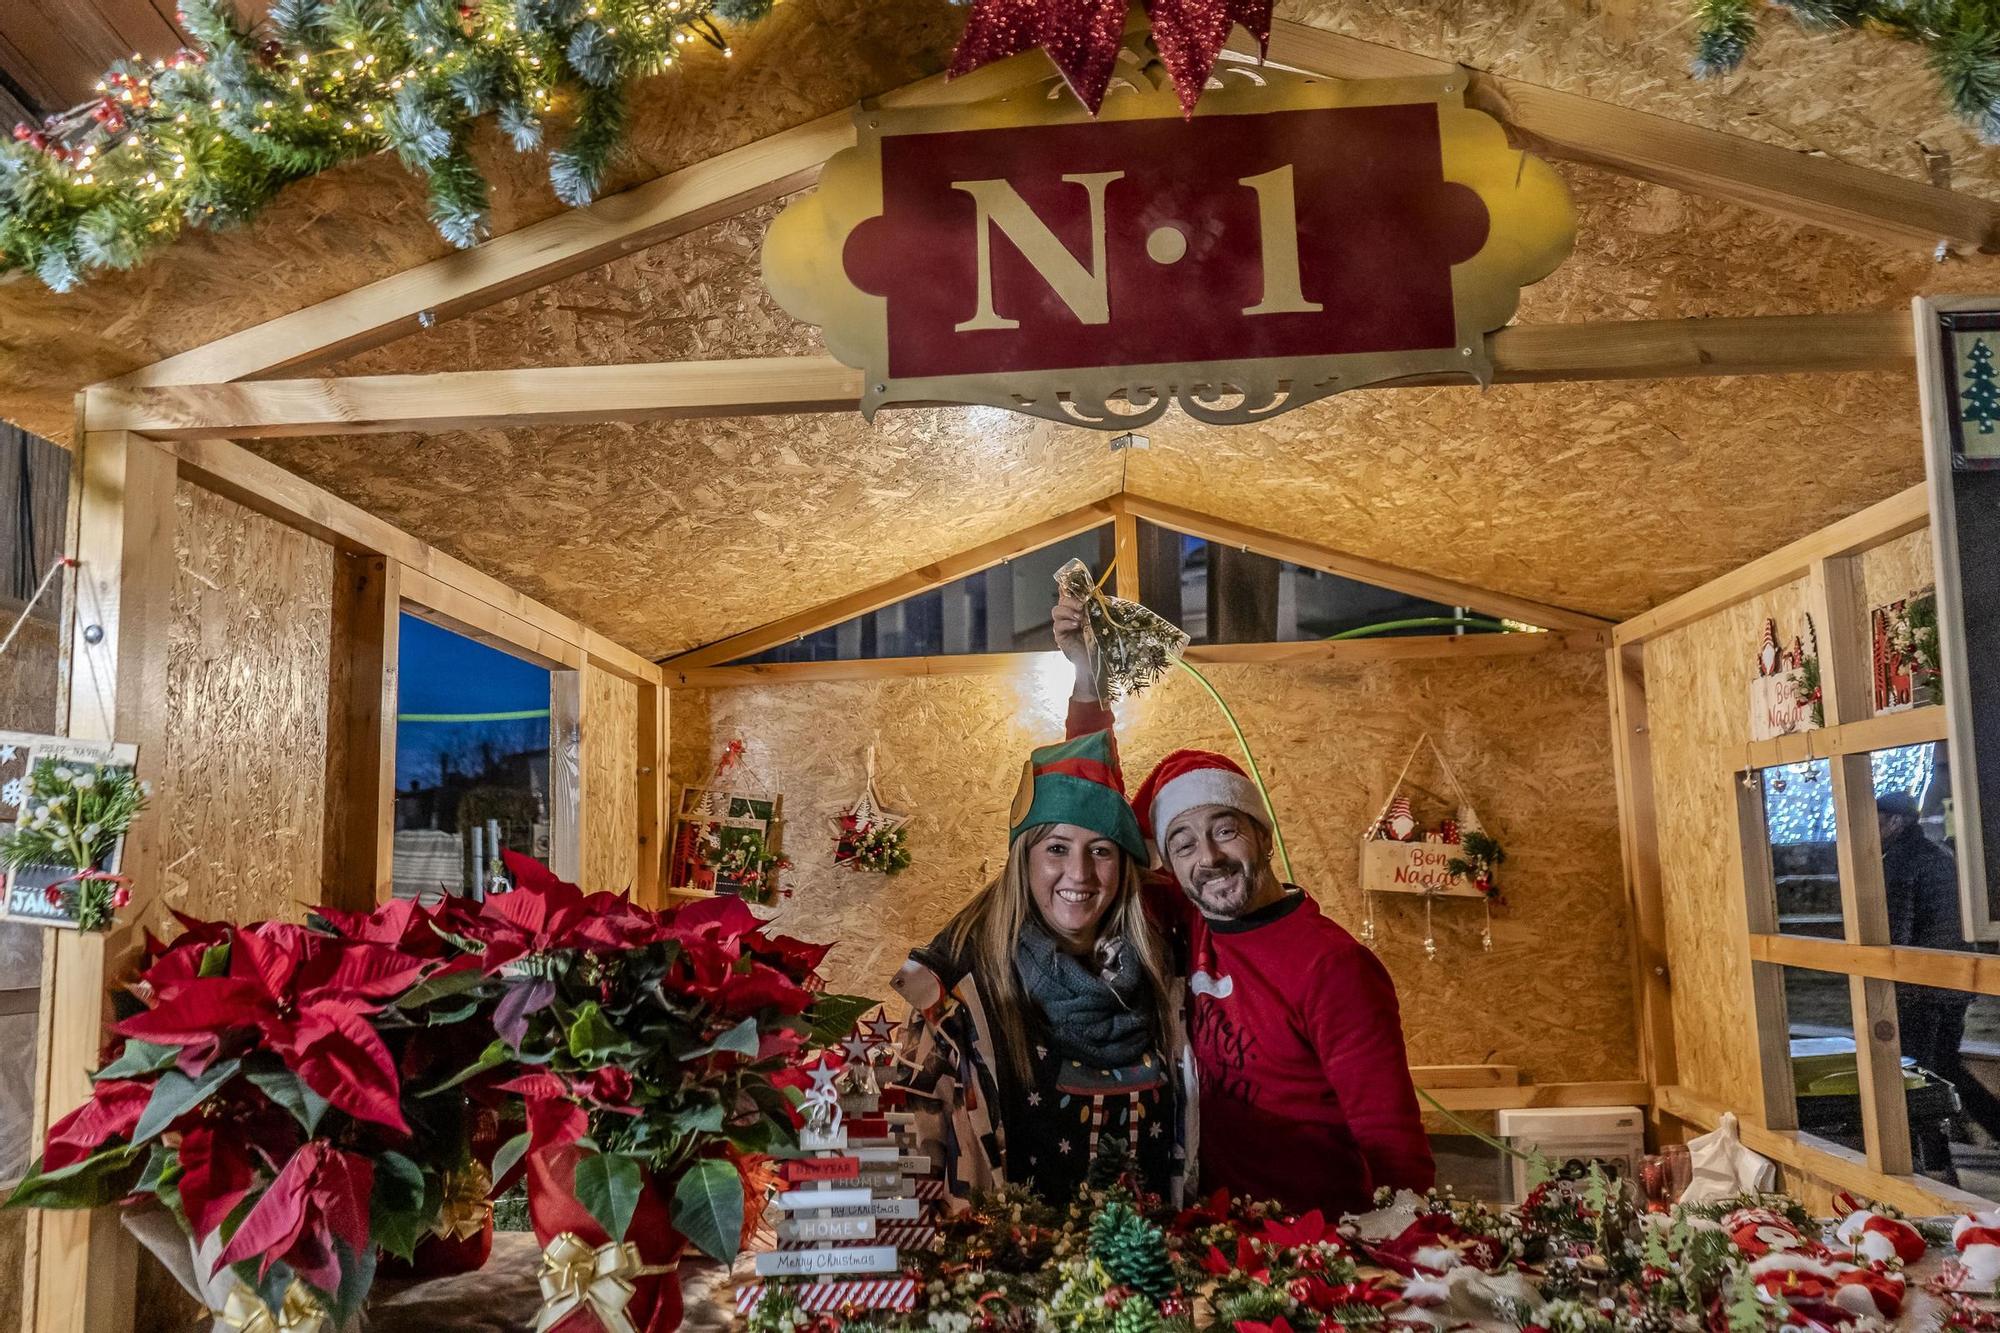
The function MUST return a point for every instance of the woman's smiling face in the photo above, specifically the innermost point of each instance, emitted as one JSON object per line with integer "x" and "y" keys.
{"x": 1073, "y": 875}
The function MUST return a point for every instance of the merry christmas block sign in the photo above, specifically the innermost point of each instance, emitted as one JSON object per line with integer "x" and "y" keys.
{"x": 1294, "y": 238}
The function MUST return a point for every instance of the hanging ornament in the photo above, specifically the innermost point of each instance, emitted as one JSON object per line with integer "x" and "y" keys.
{"x": 1130, "y": 646}
{"x": 1082, "y": 38}
{"x": 869, "y": 836}
{"x": 1430, "y": 936}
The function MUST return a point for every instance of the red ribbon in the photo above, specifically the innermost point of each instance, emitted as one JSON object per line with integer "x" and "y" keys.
{"x": 1082, "y": 38}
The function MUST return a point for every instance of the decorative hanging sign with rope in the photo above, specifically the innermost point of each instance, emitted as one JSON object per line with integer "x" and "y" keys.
{"x": 1456, "y": 859}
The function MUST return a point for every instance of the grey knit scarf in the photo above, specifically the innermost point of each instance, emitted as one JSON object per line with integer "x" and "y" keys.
{"x": 1097, "y": 1016}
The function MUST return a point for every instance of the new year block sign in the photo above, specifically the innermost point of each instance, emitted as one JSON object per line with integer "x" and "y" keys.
{"x": 1295, "y": 237}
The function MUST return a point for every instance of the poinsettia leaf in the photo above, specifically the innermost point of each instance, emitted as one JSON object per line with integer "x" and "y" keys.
{"x": 700, "y": 1120}
{"x": 91, "y": 1183}
{"x": 439, "y": 986}
{"x": 339, "y": 1056}
{"x": 607, "y": 1185}
{"x": 198, "y": 1011}
{"x": 357, "y": 1275}
{"x": 740, "y": 1040}
{"x": 283, "y": 1087}
{"x": 438, "y": 1015}
{"x": 364, "y": 971}
{"x": 217, "y": 1175}
{"x": 396, "y": 1216}
{"x": 497, "y": 1053}
{"x": 139, "y": 1057}
{"x": 214, "y": 961}
{"x": 510, "y": 1154}
{"x": 272, "y": 1283}
{"x": 834, "y": 1016}
{"x": 592, "y": 1039}
{"x": 162, "y": 1163}
{"x": 708, "y": 1208}
{"x": 521, "y": 1002}
{"x": 176, "y": 1094}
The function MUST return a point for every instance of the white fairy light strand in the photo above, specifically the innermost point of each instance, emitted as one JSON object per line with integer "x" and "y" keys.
{"x": 56, "y": 566}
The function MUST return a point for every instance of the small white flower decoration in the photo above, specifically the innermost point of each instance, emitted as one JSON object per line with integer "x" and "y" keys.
{"x": 84, "y": 781}
{"x": 64, "y": 773}
{"x": 41, "y": 813}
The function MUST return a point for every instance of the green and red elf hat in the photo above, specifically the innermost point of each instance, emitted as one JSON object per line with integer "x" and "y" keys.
{"x": 1078, "y": 782}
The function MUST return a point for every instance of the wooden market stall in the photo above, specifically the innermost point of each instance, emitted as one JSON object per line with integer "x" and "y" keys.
{"x": 597, "y": 442}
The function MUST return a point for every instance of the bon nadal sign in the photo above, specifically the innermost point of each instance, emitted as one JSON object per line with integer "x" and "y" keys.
{"x": 1293, "y": 238}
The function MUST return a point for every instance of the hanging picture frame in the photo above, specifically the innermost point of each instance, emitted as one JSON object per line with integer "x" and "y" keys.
{"x": 28, "y": 763}
{"x": 1785, "y": 692}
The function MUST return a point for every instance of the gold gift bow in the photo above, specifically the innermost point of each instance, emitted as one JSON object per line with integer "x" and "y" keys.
{"x": 465, "y": 1208}
{"x": 576, "y": 1276}
{"x": 245, "y": 1311}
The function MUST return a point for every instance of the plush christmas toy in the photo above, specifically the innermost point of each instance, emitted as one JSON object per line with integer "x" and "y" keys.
{"x": 1400, "y": 822}
{"x": 1767, "y": 651}
{"x": 1977, "y": 1236}
{"x": 1878, "y": 1239}
{"x": 1870, "y": 1293}
{"x": 1824, "y": 1290}
{"x": 1759, "y": 1232}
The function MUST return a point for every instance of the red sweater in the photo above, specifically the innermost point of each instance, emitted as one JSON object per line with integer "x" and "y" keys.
{"x": 1305, "y": 1085}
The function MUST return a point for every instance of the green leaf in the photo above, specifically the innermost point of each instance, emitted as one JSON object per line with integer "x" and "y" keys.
{"x": 139, "y": 1057}
{"x": 214, "y": 960}
{"x": 397, "y": 1218}
{"x": 436, "y": 988}
{"x": 285, "y": 1088}
{"x": 739, "y": 1040}
{"x": 700, "y": 1120}
{"x": 357, "y": 1275}
{"x": 497, "y": 1053}
{"x": 708, "y": 1208}
{"x": 834, "y": 1016}
{"x": 592, "y": 1039}
{"x": 91, "y": 1183}
{"x": 176, "y": 1093}
{"x": 608, "y": 1185}
{"x": 511, "y": 1152}
{"x": 163, "y": 1164}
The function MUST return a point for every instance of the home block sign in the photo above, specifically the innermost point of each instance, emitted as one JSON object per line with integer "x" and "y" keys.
{"x": 1294, "y": 238}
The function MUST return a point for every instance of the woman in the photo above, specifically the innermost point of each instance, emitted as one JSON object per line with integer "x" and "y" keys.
{"x": 1046, "y": 1032}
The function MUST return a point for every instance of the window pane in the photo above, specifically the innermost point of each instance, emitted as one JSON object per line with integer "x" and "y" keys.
{"x": 472, "y": 760}
{"x": 1952, "y": 1040}
{"x": 1805, "y": 868}
{"x": 1820, "y": 1023}
{"x": 1004, "y": 609}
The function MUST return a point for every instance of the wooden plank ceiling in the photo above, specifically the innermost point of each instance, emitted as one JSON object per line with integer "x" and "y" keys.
{"x": 52, "y": 52}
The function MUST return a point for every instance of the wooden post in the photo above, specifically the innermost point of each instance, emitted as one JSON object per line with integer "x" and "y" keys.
{"x": 566, "y": 794}
{"x": 653, "y": 825}
{"x": 361, "y": 733}
{"x": 1632, "y": 756}
{"x": 1840, "y": 617}
{"x": 81, "y": 1267}
{"x": 1125, "y": 551}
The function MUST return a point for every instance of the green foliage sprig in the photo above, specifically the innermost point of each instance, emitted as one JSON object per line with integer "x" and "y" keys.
{"x": 211, "y": 136}
{"x": 72, "y": 814}
{"x": 1960, "y": 39}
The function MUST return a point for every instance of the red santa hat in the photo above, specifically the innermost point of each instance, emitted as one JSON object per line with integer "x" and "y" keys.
{"x": 1977, "y": 1237}
{"x": 1186, "y": 779}
{"x": 1874, "y": 1237}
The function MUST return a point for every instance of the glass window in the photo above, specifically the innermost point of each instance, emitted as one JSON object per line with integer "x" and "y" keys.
{"x": 1805, "y": 862}
{"x": 1220, "y": 594}
{"x": 1004, "y": 609}
{"x": 472, "y": 761}
{"x": 1819, "y": 1019}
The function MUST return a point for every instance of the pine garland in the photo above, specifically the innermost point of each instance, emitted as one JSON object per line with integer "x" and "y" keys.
{"x": 210, "y": 137}
{"x": 1961, "y": 39}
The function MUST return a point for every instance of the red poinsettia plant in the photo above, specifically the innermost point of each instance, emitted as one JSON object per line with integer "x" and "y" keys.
{"x": 306, "y": 1096}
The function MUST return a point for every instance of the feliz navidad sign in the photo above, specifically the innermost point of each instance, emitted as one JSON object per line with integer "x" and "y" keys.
{"x": 1294, "y": 237}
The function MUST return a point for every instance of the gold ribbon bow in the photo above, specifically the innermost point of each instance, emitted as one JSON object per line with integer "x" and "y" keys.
{"x": 465, "y": 1208}
{"x": 575, "y": 1276}
{"x": 244, "y": 1311}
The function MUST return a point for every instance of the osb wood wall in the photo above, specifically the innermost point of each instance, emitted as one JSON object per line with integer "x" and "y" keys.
{"x": 245, "y": 771}
{"x": 610, "y": 781}
{"x": 1698, "y": 712}
{"x": 1528, "y": 736}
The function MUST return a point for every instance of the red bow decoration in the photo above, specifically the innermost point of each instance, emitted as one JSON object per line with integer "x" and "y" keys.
{"x": 1082, "y": 37}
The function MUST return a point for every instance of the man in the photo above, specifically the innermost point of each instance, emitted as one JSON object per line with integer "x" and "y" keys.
{"x": 1305, "y": 1085}
{"x": 1921, "y": 879}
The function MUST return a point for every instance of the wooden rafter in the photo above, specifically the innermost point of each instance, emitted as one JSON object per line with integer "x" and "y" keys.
{"x": 1349, "y": 652}
{"x": 908, "y": 584}
{"x": 768, "y": 386}
{"x": 544, "y": 252}
{"x": 704, "y": 664}
{"x": 1820, "y": 190}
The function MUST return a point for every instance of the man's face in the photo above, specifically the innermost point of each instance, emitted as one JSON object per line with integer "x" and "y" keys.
{"x": 1891, "y": 825}
{"x": 1221, "y": 857}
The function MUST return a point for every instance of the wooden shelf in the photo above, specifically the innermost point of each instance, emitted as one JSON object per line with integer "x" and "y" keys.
{"x": 1887, "y": 732}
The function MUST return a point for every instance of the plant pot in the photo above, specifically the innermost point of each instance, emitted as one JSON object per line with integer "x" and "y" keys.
{"x": 655, "y": 1306}
{"x": 440, "y": 1256}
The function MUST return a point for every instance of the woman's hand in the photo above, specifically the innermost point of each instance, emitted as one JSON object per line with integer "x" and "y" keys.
{"x": 1068, "y": 621}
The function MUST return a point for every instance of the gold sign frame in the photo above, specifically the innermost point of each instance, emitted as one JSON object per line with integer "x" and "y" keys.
{"x": 1531, "y": 228}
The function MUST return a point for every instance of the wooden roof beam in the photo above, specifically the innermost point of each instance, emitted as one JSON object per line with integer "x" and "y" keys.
{"x": 1823, "y": 191}
{"x": 556, "y": 247}
{"x": 775, "y": 386}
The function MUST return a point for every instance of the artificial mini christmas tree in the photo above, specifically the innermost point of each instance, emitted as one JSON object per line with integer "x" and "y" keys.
{"x": 1980, "y": 400}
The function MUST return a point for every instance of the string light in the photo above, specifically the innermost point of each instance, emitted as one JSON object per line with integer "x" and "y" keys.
{"x": 1798, "y": 798}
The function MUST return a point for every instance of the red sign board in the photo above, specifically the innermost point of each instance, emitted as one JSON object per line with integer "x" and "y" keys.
{"x": 1290, "y": 240}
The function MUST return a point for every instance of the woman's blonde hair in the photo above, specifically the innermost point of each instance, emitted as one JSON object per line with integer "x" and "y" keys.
{"x": 987, "y": 932}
